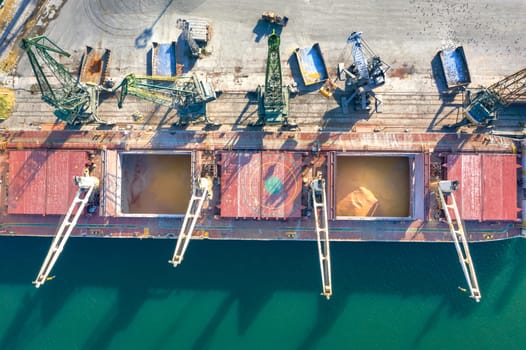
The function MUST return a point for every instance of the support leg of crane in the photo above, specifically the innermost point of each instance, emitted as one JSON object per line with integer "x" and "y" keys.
{"x": 86, "y": 187}
{"x": 446, "y": 188}
{"x": 319, "y": 202}
{"x": 192, "y": 214}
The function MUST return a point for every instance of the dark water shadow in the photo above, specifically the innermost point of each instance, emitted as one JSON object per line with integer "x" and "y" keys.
{"x": 327, "y": 315}
{"x": 249, "y": 272}
{"x": 515, "y": 261}
{"x": 39, "y": 307}
{"x": 119, "y": 317}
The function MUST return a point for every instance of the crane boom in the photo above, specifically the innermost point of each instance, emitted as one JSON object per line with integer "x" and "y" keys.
{"x": 366, "y": 74}
{"x": 445, "y": 189}
{"x": 485, "y": 104}
{"x": 185, "y": 93}
{"x": 71, "y": 99}
{"x": 511, "y": 88}
{"x": 273, "y": 98}
{"x": 87, "y": 185}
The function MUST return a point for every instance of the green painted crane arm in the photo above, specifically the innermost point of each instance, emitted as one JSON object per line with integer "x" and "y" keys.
{"x": 70, "y": 97}
{"x": 511, "y": 88}
{"x": 273, "y": 80}
{"x": 171, "y": 92}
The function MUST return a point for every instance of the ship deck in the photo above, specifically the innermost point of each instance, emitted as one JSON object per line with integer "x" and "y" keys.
{"x": 415, "y": 107}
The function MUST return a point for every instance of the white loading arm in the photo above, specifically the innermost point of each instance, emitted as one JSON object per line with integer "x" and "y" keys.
{"x": 86, "y": 186}
{"x": 446, "y": 188}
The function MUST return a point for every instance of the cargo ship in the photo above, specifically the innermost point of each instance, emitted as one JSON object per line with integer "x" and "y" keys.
{"x": 252, "y": 149}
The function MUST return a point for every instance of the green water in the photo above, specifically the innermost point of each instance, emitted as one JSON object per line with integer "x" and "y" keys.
{"x": 122, "y": 294}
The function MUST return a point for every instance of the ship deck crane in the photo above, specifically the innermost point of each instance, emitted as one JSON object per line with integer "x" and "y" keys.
{"x": 200, "y": 193}
{"x": 365, "y": 74}
{"x": 185, "y": 93}
{"x": 86, "y": 185}
{"x": 273, "y": 98}
{"x": 75, "y": 102}
{"x": 483, "y": 107}
{"x": 322, "y": 231}
{"x": 445, "y": 189}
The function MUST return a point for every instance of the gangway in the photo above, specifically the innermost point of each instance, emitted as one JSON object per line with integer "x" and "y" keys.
{"x": 199, "y": 195}
{"x": 445, "y": 189}
{"x": 319, "y": 201}
{"x": 86, "y": 184}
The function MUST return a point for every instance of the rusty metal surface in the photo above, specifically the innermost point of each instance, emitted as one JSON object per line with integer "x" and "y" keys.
{"x": 240, "y": 184}
{"x": 41, "y": 182}
{"x": 27, "y": 182}
{"x": 500, "y": 187}
{"x": 60, "y": 190}
{"x": 281, "y": 185}
{"x": 94, "y": 65}
{"x": 110, "y": 190}
{"x": 260, "y": 185}
{"x": 488, "y": 186}
{"x": 214, "y": 226}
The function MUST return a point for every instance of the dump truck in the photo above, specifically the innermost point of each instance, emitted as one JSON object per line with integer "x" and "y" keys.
{"x": 455, "y": 67}
{"x": 311, "y": 64}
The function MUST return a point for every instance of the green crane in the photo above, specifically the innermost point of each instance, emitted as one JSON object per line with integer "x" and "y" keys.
{"x": 484, "y": 106}
{"x": 185, "y": 93}
{"x": 75, "y": 102}
{"x": 273, "y": 98}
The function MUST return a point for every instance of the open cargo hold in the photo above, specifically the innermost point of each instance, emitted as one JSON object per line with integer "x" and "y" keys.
{"x": 164, "y": 59}
{"x": 379, "y": 186}
{"x": 311, "y": 64}
{"x": 455, "y": 67}
{"x": 151, "y": 183}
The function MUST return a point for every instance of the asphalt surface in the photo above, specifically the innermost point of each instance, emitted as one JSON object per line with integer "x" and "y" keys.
{"x": 406, "y": 34}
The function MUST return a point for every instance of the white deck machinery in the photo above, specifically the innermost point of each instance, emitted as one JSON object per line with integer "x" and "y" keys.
{"x": 363, "y": 76}
{"x": 86, "y": 185}
{"x": 444, "y": 191}
{"x": 319, "y": 202}
{"x": 202, "y": 190}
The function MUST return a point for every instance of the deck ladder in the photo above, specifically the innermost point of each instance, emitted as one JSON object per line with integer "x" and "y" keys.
{"x": 319, "y": 201}
{"x": 86, "y": 186}
{"x": 446, "y": 188}
{"x": 192, "y": 214}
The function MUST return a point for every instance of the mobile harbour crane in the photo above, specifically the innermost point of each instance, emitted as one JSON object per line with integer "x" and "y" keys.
{"x": 77, "y": 102}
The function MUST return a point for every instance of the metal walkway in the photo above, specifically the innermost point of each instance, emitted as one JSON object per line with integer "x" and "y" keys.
{"x": 86, "y": 186}
{"x": 322, "y": 230}
{"x": 446, "y": 188}
{"x": 192, "y": 214}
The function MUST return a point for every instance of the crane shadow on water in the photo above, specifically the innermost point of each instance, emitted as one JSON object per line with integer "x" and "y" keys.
{"x": 250, "y": 275}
